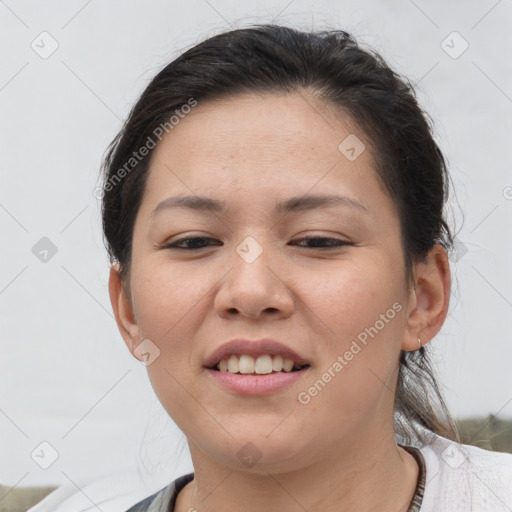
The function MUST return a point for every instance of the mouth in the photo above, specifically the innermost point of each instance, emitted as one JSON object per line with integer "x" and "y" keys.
{"x": 264, "y": 364}
{"x": 261, "y": 375}
{"x": 258, "y": 357}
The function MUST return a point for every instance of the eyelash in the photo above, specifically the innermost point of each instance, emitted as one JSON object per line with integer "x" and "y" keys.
{"x": 174, "y": 245}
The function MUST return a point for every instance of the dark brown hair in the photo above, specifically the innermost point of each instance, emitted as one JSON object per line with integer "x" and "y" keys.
{"x": 277, "y": 59}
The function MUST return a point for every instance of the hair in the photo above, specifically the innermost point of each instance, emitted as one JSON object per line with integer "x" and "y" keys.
{"x": 339, "y": 72}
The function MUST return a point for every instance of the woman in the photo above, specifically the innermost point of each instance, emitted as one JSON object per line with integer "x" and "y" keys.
{"x": 273, "y": 210}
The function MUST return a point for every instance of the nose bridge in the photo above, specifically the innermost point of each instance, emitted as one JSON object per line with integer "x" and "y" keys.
{"x": 252, "y": 266}
{"x": 252, "y": 285}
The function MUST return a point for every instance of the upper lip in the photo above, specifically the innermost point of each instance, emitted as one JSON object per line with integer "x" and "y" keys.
{"x": 253, "y": 348}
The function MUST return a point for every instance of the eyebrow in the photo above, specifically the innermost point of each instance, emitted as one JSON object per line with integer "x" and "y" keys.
{"x": 294, "y": 204}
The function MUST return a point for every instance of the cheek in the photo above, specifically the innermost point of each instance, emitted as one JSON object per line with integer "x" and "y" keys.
{"x": 352, "y": 297}
{"x": 169, "y": 313}
{"x": 164, "y": 295}
{"x": 363, "y": 308}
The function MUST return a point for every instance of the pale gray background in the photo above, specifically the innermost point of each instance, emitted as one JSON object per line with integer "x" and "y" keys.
{"x": 66, "y": 376}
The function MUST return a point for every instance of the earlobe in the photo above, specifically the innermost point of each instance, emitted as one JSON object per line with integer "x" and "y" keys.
{"x": 123, "y": 310}
{"x": 429, "y": 299}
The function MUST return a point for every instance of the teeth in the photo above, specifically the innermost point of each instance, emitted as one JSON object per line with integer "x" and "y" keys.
{"x": 262, "y": 365}
{"x": 277, "y": 363}
{"x": 233, "y": 364}
{"x": 287, "y": 365}
{"x": 246, "y": 364}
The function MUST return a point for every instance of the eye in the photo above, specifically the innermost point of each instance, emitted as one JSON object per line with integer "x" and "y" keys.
{"x": 200, "y": 242}
{"x": 319, "y": 243}
{"x": 197, "y": 243}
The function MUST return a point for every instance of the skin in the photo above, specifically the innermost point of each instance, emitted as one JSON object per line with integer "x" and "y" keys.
{"x": 338, "y": 452}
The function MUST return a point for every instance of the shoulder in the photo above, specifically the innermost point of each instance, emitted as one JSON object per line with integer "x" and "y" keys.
{"x": 164, "y": 499}
{"x": 117, "y": 492}
{"x": 462, "y": 477}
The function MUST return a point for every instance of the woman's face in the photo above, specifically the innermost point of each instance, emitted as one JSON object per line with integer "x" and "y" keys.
{"x": 257, "y": 276}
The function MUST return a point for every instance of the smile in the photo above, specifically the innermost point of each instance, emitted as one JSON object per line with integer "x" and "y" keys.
{"x": 261, "y": 365}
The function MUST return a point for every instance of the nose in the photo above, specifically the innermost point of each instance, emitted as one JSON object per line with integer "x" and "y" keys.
{"x": 254, "y": 290}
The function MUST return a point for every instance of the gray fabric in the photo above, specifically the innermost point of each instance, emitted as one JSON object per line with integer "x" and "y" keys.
{"x": 164, "y": 499}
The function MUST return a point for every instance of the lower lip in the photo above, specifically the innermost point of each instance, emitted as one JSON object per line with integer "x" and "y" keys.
{"x": 256, "y": 384}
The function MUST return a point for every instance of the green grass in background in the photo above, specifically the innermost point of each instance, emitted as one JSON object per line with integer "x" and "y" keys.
{"x": 490, "y": 433}
{"x": 20, "y": 499}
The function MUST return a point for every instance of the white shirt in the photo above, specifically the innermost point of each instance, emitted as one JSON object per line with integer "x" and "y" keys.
{"x": 462, "y": 478}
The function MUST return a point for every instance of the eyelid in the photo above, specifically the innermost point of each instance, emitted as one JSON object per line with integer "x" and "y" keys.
{"x": 314, "y": 234}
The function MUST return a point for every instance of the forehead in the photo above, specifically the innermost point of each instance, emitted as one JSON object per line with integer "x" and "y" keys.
{"x": 251, "y": 120}
{"x": 265, "y": 144}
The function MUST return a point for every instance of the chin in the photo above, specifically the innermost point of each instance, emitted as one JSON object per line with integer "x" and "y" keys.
{"x": 256, "y": 452}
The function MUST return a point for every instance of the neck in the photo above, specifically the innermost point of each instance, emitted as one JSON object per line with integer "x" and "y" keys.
{"x": 364, "y": 476}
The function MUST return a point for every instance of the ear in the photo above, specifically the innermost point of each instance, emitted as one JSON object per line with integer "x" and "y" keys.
{"x": 123, "y": 311}
{"x": 429, "y": 299}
